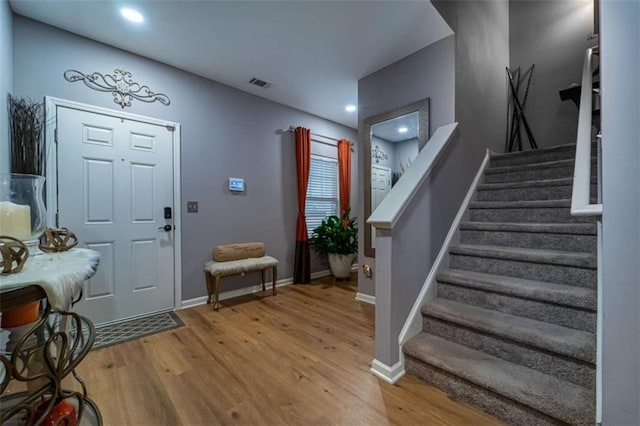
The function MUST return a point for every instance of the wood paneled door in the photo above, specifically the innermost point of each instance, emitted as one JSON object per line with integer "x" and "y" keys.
{"x": 115, "y": 186}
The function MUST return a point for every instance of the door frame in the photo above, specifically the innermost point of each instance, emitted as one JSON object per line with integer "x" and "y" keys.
{"x": 51, "y": 120}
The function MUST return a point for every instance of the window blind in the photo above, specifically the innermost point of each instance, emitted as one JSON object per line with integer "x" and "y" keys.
{"x": 322, "y": 192}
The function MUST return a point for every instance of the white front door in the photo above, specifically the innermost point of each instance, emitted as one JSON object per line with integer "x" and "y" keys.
{"x": 380, "y": 186}
{"x": 115, "y": 178}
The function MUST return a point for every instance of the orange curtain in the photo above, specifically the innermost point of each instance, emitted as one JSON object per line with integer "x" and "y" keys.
{"x": 302, "y": 261}
{"x": 344, "y": 174}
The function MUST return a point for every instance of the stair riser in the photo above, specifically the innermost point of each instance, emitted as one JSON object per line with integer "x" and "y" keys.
{"x": 568, "y": 242}
{"x": 534, "y": 157}
{"x": 548, "y": 312}
{"x": 563, "y": 192}
{"x": 556, "y": 365}
{"x": 568, "y": 153}
{"x": 477, "y": 396}
{"x": 534, "y": 174}
{"x": 527, "y": 215}
{"x": 581, "y": 277}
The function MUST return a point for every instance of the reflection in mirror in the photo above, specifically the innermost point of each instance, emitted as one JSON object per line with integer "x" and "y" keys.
{"x": 395, "y": 146}
{"x": 391, "y": 142}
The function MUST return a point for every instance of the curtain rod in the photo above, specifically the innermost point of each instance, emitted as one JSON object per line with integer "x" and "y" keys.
{"x": 293, "y": 129}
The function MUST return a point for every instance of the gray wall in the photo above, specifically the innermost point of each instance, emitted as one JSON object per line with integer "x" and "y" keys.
{"x": 482, "y": 53}
{"x": 427, "y": 73}
{"x": 406, "y": 152}
{"x": 6, "y": 79}
{"x": 416, "y": 240}
{"x": 387, "y": 147}
{"x": 552, "y": 35}
{"x": 225, "y": 132}
{"x": 620, "y": 41}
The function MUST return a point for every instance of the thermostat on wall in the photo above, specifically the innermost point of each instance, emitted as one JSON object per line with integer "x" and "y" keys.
{"x": 236, "y": 184}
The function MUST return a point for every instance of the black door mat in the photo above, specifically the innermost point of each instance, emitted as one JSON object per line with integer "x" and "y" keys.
{"x": 112, "y": 334}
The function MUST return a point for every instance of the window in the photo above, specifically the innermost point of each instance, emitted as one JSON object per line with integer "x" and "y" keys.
{"x": 322, "y": 192}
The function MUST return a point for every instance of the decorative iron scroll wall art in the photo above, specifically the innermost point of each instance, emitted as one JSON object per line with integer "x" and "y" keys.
{"x": 121, "y": 86}
{"x": 379, "y": 154}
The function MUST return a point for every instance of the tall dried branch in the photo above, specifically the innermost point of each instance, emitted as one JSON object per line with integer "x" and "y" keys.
{"x": 26, "y": 125}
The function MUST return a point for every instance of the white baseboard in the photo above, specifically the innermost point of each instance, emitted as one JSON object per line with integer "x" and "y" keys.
{"x": 197, "y": 301}
{"x": 388, "y": 374}
{"x": 366, "y": 298}
{"x": 319, "y": 274}
{"x": 190, "y": 303}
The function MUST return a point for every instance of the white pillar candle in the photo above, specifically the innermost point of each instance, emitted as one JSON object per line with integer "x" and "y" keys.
{"x": 15, "y": 220}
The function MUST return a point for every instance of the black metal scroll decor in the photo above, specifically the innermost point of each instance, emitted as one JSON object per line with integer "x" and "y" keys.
{"x": 379, "y": 154}
{"x": 120, "y": 84}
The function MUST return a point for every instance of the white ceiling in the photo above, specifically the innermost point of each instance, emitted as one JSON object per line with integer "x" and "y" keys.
{"x": 388, "y": 130}
{"x": 313, "y": 52}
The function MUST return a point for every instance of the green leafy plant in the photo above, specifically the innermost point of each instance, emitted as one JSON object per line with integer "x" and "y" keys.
{"x": 338, "y": 235}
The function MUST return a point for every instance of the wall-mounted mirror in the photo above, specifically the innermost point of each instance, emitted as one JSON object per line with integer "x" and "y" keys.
{"x": 391, "y": 142}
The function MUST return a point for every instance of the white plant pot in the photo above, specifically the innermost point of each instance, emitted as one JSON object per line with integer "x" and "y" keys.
{"x": 341, "y": 264}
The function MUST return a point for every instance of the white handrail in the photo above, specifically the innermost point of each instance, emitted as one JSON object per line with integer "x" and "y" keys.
{"x": 581, "y": 197}
{"x": 386, "y": 215}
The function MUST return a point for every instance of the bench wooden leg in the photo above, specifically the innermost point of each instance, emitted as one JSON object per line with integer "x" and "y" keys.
{"x": 264, "y": 279}
{"x": 274, "y": 276}
{"x": 216, "y": 305}
{"x": 207, "y": 277}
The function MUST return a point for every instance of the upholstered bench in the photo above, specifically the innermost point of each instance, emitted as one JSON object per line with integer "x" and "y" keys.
{"x": 238, "y": 259}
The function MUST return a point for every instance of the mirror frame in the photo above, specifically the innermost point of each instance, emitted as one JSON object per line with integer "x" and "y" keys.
{"x": 422, "y": 108}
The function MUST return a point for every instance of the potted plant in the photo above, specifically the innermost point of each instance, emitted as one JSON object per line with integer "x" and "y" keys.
{"x": 338, "y": 237}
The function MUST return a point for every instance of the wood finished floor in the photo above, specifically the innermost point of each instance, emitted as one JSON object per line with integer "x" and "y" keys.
{"x": 299, "y": 358}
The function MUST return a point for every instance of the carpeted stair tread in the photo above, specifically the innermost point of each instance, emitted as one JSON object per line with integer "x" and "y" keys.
{"x": 559, "y": 152}
{"x": 557, "y": 398}
{"x": 566, "y": 295}
{"x": 530, "y": 166}
{"x": 547, "y": 228}
{"x": 531, "y": 211}
{"x": 535, "y": 204}
{"x": 554, "y": 338}
{"x": 530, "y": 184}
{"x": 550, "y": 257}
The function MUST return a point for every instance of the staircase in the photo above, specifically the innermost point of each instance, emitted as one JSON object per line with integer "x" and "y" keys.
{"x": 512, "y": 329}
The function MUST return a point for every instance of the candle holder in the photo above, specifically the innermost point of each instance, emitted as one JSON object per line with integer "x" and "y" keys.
{"x": 22, "y": 211}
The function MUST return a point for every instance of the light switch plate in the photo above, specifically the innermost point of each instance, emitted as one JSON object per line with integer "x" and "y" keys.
{"x": 192, "y": 207}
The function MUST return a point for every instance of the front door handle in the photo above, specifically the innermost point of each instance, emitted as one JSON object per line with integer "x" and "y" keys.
{"x": 166, "y": 228}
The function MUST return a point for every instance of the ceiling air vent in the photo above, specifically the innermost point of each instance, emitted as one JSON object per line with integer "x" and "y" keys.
{"x": 260, "y": 83}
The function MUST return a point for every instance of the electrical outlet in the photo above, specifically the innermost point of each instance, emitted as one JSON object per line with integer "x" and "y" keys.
{"x": 192, "y": 207}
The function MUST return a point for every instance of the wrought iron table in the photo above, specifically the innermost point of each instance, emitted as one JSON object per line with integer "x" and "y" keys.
{"x": 36, "y": 357}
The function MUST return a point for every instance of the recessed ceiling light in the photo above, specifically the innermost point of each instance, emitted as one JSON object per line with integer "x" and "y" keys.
{"x": 402, "y": 129}
{"x": 132, "y": 15}
{"x": 350, "y": 108}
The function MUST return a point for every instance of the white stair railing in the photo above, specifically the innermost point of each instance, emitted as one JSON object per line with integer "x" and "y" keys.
{"x": 581, "y": 198}
{"x": 404, "y": 242}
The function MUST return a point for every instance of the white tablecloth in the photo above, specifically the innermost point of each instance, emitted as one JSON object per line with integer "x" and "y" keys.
{"x": 61, "y": 275}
